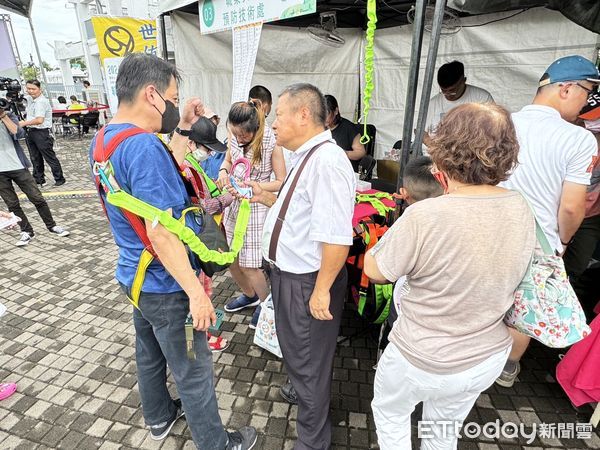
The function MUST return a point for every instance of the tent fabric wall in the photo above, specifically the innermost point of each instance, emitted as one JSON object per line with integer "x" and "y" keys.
{"x": 507, "y": 58}
{"x": 285, "y": 56}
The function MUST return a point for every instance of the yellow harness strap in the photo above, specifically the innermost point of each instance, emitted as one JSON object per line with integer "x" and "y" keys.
{"x": 140, "y": 275}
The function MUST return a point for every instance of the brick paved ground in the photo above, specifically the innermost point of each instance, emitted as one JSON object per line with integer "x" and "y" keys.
{"x": 68, "y": 342}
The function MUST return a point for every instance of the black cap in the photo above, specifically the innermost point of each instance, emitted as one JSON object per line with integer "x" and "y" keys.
{"x": 204, "y": 132}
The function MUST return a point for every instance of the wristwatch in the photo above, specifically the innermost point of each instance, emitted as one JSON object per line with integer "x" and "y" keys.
{"x": 185, "y": 133}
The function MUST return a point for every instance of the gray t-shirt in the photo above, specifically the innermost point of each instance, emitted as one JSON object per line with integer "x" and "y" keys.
{"x": 39, "y": 107}
{"x": 464, "y": 257}
{"x": 9, "y": 160}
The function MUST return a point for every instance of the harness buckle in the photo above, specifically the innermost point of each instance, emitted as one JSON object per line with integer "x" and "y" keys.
{"x": 104, "y": 171}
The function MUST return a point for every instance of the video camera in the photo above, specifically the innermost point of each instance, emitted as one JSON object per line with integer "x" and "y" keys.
{"x": 14, "y": 99}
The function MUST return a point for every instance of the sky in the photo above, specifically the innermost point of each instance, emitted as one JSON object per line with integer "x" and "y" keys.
{"x": 52, "y": 22}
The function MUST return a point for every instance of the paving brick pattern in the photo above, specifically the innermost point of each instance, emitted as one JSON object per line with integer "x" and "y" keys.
{"x": 68, "y": 341}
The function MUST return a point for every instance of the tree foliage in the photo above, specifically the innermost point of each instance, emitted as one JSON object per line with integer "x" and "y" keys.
{"x": 30, "y": 72}
{"x": 80, "y": 61}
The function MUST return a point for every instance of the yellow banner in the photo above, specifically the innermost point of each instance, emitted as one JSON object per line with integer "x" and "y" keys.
{"x": 119, "y": 36}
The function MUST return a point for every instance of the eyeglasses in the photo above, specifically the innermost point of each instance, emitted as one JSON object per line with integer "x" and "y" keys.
{"x": 586, "y": 89}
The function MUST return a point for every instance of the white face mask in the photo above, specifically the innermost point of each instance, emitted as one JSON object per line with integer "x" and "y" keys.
{"x": 200, "y": 154}
{"x": 592, "y": 125}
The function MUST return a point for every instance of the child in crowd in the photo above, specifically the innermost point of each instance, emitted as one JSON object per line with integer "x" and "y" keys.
{"x": 202, "y": 142}
{"x": 419, "y": 184}
{"x": 216, "y": 152}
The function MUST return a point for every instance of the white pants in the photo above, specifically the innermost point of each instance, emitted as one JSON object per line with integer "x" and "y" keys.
{"x": 400, "y": 386}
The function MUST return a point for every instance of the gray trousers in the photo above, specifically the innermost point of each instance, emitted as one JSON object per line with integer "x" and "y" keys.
{"x": 308, "y": 346}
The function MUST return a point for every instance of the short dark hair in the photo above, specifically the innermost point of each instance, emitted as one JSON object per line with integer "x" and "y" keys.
{"x": 86, "y": 83}
{"x": 475, "y": 143}
{"x": 450, "y": 73}
{"x": 305, "y": 94}
{"x": 138, "y": 70}
{"x": 419, "y": 181}
{"x": 61, "y": 99}
{"x": 72, "y": 97}
{"x": 332, "y": 105}
{"x": 261, "y": 93}
{"x": 34, "y": 82}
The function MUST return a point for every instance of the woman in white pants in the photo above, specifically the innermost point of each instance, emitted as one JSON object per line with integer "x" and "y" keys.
{"x": 464, "y": 254}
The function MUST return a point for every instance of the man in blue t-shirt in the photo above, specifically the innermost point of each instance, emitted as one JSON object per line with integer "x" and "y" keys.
{"x": 147, "y": 92}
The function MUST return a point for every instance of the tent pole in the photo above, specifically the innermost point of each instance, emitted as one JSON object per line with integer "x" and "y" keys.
{"x": 37, "y": 51}
{"x": 12, "y": 33}
{"x": 436, "y": 31}
{"x": 411, "y": 91}
{"x": 163, "y": 37}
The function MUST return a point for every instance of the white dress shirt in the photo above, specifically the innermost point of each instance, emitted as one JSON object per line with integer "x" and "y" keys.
{"x": 320, "y": 209}
{"x": 39, "y": 107}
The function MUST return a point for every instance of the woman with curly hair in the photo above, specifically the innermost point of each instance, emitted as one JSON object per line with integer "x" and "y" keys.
{"x": 464, "y": 254}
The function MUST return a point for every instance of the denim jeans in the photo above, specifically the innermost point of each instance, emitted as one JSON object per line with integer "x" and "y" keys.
{"x": 160, "y": 340}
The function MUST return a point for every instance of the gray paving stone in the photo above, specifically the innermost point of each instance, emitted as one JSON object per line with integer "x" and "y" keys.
{"x": 99, "y": 428}
{"x": 72, "y": 440}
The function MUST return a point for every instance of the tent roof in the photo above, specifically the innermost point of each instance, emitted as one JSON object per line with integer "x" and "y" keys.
{"x": 352, "y": 13}
{"x": 21, "y": 7}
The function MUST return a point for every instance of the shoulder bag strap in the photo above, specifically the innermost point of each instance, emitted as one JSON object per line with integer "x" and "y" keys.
{"x": 286, "y": 203}
{"x": 539, "y": 232}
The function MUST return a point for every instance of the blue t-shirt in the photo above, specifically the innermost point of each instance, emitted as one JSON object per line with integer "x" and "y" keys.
{"x": 144, "y": 169}
{"x": 212, "y": 164}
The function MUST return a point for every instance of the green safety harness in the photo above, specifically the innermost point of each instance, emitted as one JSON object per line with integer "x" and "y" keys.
{"x": 373, "y": 301}
{"x": 135, "y": 211}
{"x": 369, "y": 56}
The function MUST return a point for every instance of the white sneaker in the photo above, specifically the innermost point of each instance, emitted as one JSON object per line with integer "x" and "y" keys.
{"x": 24, "y": 240}
{"x": 59, "y": 231}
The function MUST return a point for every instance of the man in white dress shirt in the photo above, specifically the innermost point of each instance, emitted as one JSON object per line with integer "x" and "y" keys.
{"x": 556, "y": 159}
{"x": 39, "y": 137}
{"x": 306, "y": 253}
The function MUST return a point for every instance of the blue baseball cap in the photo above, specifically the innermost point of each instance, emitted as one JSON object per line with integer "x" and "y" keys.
{"x": 571, "y": 68}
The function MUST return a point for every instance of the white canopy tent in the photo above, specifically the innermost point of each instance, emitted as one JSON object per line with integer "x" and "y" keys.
{"x": 506, "y": 57}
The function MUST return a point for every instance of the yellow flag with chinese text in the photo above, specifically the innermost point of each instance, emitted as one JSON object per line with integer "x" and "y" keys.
{"x": 120, "y": 36}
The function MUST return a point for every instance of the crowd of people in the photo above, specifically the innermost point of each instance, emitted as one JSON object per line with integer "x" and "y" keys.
{"x": 465, "y": 240}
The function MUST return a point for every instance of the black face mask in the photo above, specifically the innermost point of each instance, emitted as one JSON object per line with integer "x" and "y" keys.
{"x": 170, "y": 117}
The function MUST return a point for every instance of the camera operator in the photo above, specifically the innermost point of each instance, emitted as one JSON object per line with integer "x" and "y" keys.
{"x": 39, "y": 139}
{"x": 13, "y": 168}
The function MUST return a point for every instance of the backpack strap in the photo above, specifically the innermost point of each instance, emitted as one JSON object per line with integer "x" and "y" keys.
{"x": 210, "y": 184}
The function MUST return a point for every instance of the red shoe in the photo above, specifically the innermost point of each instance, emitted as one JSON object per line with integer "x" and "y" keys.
{"x": 7, "y": 389}
{"x": 216, "y": 343}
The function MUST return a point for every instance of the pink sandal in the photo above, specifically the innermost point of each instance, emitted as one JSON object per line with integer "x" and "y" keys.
{"x": 216, "y": 343}
{"x": 7, "y": 389}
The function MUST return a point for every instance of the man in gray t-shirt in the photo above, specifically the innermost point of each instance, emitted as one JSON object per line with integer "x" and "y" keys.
{"x": 13, "y": 169}
{"x": 39, "y": 138}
